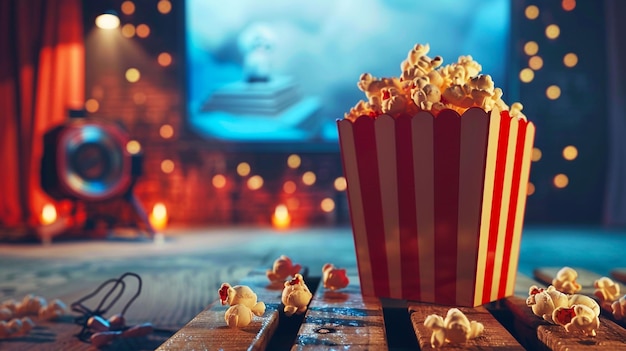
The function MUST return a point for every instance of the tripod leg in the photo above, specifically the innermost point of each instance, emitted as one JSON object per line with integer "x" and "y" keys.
{"x": 130, "y": 197}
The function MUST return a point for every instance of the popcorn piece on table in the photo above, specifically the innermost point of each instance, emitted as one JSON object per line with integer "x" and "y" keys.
{"x": 30, "y": 305}
{"x": 15, "y": 327}
{"x": 543, "y": 302}
{"x": 10, "y": 305}
{"x": 606, "y": 291}
{"x": 565, "y": 281}
{"x": 5, "y": 314}
{"x": 578, "y": 299}
{"x": 53, "y": 311}
{"x": 455, "y": 328}
{"x": 577, "y": 318}
{"x": 619, "y": 308}
{"x": 334, "y": 278}
{"x": 296, "y": 296}
{"x": 282, "y": 269}
{"x": 243, "y": 304}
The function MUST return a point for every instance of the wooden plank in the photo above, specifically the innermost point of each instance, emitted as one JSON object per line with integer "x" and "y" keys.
{"x": 535, "y": 334}
{"x": 610, "y": 337}
{"x": 208, "y": 330}
{"x": 342, "y": 319}
{"x": 494, "y": 336}
{"x": 586, "y": 278}
{"x": 619, "y": 274}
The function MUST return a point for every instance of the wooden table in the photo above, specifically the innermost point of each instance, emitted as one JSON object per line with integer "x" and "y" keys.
{"x": 348, "y": 321}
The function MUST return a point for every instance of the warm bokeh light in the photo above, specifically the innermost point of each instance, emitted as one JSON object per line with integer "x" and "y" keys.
{"x": 139, "y": 98}
{"x": 570, "y": 152}
{"x": 167, "y": 166}
{"x": 294, "y": 161}
{"x": 218, "y": 181}
{"x": 164, "y": 6}
{"x": 553, "y": 31}
{"x": 327, "y": 205}
{"x": 281, "y": 218}
{"x": 293, "y": 203}
{"x": 308, "y": 178}
{"x": 128, "y": 30}
{"x": 164, "y": 59}
{"x": 560, "y": 181}
{"x": 128, "y": 7}
{"x": 243, "y": 169}
{"x": 535, "y": 155}
{"x": 255, "y": 182}
{"x": 166, "y": 131}
{"x": 289, "y": 187}
{"x": 531, "y": 189}
{"x": 526, "y": 75}
{"x": 340, "y": 184}
{"x": 133, "y": 147}
{"x": 568, "y": 5}
{"x": 553, "y": 92}
{"x": 48, "y": 214}
{"x": 531, "y": 48}
{"x": 132, "y": 75}
{"x": 158, "y": 216}
{"x": 143, "y": 30}
{"x": 531, "y": 12}
{"x": 92, "y": 105}
{"x": 570, "y": 59}
{"x": 107, "y": 21}
{"x": 535, "y": 62}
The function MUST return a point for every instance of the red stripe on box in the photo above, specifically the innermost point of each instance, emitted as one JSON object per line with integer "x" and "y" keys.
{"x": 503, "y": 138}
{"x": 367, "y": 163}
{"x": 447, "y": 145}
{"x": 510, "y": 224}
{"x": 407, "y": 209}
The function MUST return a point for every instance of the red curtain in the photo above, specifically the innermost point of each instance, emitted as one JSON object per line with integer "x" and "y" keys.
{"x": 41, "y": 77}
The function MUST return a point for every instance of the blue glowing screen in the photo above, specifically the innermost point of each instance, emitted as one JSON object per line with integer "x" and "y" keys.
{"x": 285, "y": 70}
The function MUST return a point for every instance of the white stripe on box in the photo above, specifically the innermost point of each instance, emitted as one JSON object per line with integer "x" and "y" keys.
{"x": 388, "y": 177}
{"x": 423, "y": 159}
{"x": 490, "y": 169}
{"x": 504, "y": 208}
{"x": 474, "y": 124}
{"x": 521, "y": 206}
{"x": 356, "y": 206}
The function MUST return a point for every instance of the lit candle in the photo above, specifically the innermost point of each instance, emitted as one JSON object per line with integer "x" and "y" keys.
{"x": 281, "y": 218}
{"x": 158, "y": 217}
{"x": 51, "y": 224}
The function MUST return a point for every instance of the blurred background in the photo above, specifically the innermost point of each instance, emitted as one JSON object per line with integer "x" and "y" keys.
{"x": 119, "y": 113}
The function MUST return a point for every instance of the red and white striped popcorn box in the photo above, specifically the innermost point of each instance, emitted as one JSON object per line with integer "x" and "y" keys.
{"x": 437, "y": 203}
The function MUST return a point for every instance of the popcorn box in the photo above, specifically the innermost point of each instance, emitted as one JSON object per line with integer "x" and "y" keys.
{"x": 437, "y": 203}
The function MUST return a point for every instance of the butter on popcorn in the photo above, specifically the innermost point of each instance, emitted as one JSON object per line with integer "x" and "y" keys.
{"x": 425, "y": 85}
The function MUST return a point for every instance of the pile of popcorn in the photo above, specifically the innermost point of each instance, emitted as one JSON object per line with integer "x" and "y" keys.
{"x": 425, "y": 85}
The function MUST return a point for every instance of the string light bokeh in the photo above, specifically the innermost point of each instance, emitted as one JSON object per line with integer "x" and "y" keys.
{"x": 139, "y": 80}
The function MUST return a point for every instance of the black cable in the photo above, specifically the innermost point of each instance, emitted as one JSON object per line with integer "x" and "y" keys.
{"x": 86, "y": 313}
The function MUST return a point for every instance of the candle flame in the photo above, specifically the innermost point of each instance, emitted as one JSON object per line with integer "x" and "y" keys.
{"x": 158, "y": 217}
{"x": 48, "y": 214}
{"x": 281, "y": 218}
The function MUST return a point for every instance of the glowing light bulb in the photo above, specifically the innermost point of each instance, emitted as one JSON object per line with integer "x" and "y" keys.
{"x": 107, "y": 21}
